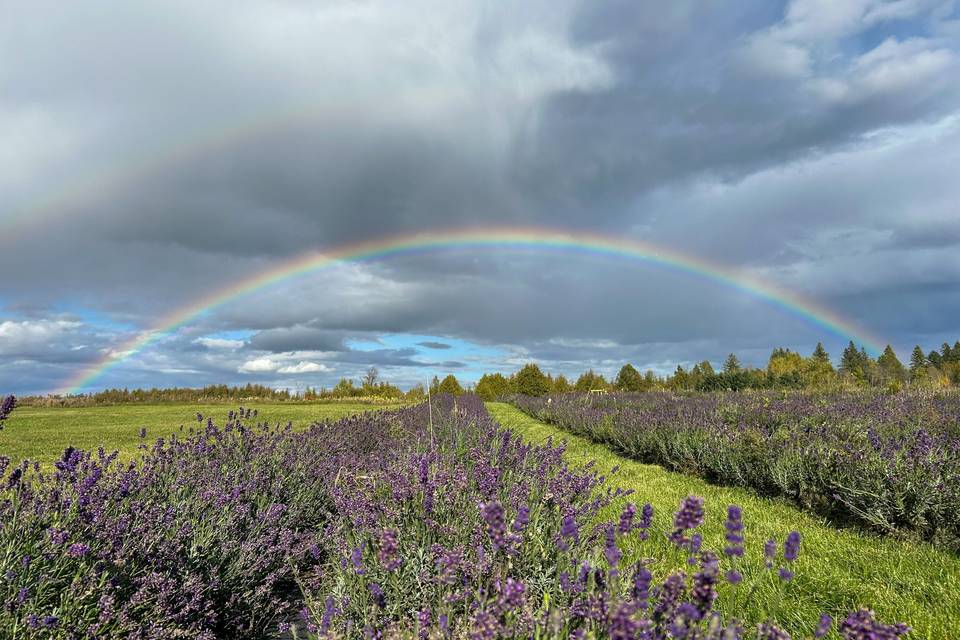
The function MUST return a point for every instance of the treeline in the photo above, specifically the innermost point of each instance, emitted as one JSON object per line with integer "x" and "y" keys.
{"x": 785, "y": 369}
{"x": 369, "y": 389}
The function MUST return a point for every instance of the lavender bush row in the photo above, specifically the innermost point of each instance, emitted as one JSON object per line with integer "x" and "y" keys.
{"x": 481, "y": 535}
{"x": 890, "y": 462}
{"x": 201, "y": 538}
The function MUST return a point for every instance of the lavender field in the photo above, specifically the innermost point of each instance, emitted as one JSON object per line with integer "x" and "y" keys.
{"x": 430, "y": 522}
{"x": 890, "y": 463}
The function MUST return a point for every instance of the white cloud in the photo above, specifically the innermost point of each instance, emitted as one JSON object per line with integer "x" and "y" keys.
{"x": 259, "y": 365}
{"x": 16, "y": 335}
{"x": 278, "y": 365}
{"x": 305, "y": 367}
{"x": 808, "y": 43}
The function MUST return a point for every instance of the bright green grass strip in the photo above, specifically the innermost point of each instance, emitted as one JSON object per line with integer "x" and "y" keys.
{"x": 42, "y": 433}
{"x": 837, "y": 571}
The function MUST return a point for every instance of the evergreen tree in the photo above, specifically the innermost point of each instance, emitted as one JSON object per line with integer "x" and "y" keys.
{"x": 561, "y": 384}
{"x": 703, "y": 368}
{"x": 590, "y": 380}
{"x": 629, "y": 379}
{"x": 935, "y": 358}
{"x": 450, "y": 385}
{"x": 530, "y": 381}
{"x": 649, "y": 380}
{"x": 731, "y": 364}
{"x": 851, "y": 362}
{"x": 680, "y": 379}
{"x": 917, "y": 360}
{"x": 820, "y": 354}
{"x": 493, "y": 386}
{"x": 890, "y": 366}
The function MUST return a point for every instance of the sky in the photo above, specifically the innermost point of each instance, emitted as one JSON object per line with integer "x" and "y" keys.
{"x": 155, "y": 154}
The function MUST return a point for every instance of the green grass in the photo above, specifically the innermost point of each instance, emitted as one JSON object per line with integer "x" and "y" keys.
{"x": 838, "y": 569}
{"x": 42, "y": 433}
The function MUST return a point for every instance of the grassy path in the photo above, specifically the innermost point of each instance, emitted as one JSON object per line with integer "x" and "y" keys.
{"x": 837, "y": 569}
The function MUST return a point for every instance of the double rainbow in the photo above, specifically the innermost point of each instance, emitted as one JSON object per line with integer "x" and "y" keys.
{"x": 483, "y": 239}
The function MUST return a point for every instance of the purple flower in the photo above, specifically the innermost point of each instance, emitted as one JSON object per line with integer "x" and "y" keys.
{"x": 688, "y": 517}
{"x": 329, "y": 611}
{"x": 57, "y": 536}
{"x": 769, "y": 553}
{"x": 626, "y": 519}
{"x": 823, "y": 627}
{"x": 424, "y": 469}
{"x": 493, "y": 516}
{"x": 670, "y": 593}
{"x": 734, "y": 527}
{"x": 423, "y": 621}
{"x": 610, "y": 551}
{"x": 389, "y": 556}
{"x": 861, "y": 625}
{"x": 791, "y": 547}
{"x": 770, "y": 631}
{"x": 511, "y": 593}
{"x": 522, "y": 520}
{"x": 622, "y": 625}
{"x": 356, "y": 557}
{"x": 646, "y": 519}
{"x": 704, "y": 591}
{"x": 684, "y": 617}
{"x": 641, "y": 586}
{"x": 379, "y": 598}
{"x": 568, "y": 529}
{"x": 14, "y": 479}
{"x": 78, "y": 550}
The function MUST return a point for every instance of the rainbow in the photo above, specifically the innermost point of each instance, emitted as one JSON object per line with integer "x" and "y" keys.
{"x": 500, "y": 238}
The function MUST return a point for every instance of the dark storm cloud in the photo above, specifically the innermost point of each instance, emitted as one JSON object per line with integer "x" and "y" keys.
{"x": 296, "y": 338}
{"x": 156, "y": 154}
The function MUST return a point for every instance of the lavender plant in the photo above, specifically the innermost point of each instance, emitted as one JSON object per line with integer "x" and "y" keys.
{"x": 6, "y": 408}
{"x": 888, "y": 462}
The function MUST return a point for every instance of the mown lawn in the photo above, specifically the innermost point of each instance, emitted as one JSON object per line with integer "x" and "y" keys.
{"x": 42, "y": 433}
{"x": 837, "y": 569}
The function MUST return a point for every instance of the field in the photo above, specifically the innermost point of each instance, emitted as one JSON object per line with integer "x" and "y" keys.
{"x": 42, "y": 433}
{"x": 461, "y": 521}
